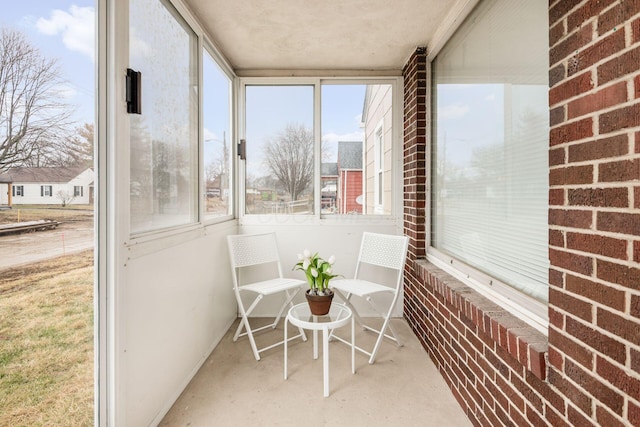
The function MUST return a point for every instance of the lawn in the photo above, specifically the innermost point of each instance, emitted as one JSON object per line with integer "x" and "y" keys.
{"x": 46, "y": 343}
{"x": 25, "y": 213}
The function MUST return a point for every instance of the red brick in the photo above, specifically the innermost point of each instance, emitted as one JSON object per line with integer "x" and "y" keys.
{"x": 556, "y": 156}
{"x": 599, "y": 197}
{"x": 572, "y": 132}
{"x": 602, "y": 148}
{"x": 606, "y": 418}
{"x": 577, "y": 85}
{"x": 622, "y": 118}
{"x": 571, "y": 392}
{"x": 596, "y": 340}
{"x": 636, "y": 86}
{"x": 556, "y": 75}
{"x": 577, "y": 418}
{"x": 570, "y": 348}
{"x": 619, "y": 326}
{"x": 571, "y": 305}
{"x": 619, "y": 377}
{"x": 556, "y": 238}
{"x": 554, "y": 419}
{"x": 537, "y": 362}
{"x": 603, "y": 99}
{"x": 597, "y": 388}
{"x": 556, "y": 32}
{"x": 635, "y": 30}
{"x": 570, "y": 218}
{"x": 586, "y": 12}
{"x": 636, "y": 251}
{"x": 619, "y": 222}
{"x": 619, "y": 274}
{"x": 613, "y": 18}
{"x": 572, "y": 262}
{"x": 571, "y": 175}
{"x": 600, "y": 50}
{"x": 627, "y": 170}
{"x": 571, "y": 44}
{"x": 556, "y": 197}
{"x": 600, "y": 245}
{"x": 596, "y": 292}
{"x": 560, "y": 9}
{"x": 633, "y": 414}
{"x": 619, "y": 66}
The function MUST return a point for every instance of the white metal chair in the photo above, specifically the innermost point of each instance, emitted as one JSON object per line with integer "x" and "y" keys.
{"x": 249, "y": 250}
{"x": 382, "y": 250}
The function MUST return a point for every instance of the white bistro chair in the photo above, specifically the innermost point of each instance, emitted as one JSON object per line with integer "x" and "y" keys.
{"x": 250, "y": 250}
{"x": 381, "y": 250}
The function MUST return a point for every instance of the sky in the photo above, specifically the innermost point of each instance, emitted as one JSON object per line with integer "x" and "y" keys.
{"x": 61, "y": 30}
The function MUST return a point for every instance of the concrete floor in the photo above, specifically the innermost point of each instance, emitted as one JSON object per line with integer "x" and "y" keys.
{"x": 402, "y": 388}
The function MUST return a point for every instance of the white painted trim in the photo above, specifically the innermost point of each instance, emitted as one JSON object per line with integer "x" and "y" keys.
{"x": 449, "y": 25}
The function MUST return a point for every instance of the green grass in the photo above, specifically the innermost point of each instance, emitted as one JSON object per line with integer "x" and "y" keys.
{"x": 25, "y": 213}
{"x": 46, "y": 343}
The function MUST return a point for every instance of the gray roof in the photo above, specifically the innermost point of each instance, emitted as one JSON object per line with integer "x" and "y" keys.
{"x": 350, "y": 155}
{"x": 34, "y": 175}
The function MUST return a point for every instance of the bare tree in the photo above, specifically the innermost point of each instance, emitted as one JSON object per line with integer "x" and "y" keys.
{"x": 32, "y": 117}
{"x": 77, "y": 150}
{"x": 65, "y": 197}
{"x": 289, "y": 156}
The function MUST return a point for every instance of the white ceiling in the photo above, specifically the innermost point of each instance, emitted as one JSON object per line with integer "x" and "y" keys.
{"x": 375, "y": 35}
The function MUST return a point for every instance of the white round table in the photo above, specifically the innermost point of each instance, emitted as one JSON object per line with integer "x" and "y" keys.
{"x": 339, "y": 315}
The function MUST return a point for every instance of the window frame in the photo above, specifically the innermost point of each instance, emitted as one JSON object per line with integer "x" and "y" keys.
{"x": 532, "y": 311}
{"x": 78, "y": 191}
{"x": 17, "y": 190}
{"x": 46, "y": 191}
{"x": 397, "y": 85}
{"x": 208, "y": 47}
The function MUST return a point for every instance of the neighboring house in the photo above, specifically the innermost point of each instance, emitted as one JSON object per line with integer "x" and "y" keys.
{"x": 329, "y": 186}
{"x": 46, "y": 186}
{"x": 350, "y": 177}
{"x": 377, "y": 116}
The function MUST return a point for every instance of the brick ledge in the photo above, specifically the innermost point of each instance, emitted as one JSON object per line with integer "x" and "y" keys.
{"x": 523, "y": 342}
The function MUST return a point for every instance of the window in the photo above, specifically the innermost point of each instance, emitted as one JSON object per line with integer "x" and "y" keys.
{"x": 217, "y": 149}
{"x": 164, "y": 138}
{"x": 46, "y": 191}
{"x": 378, "y": 170}
{"x": 331, "y": 160}
{"x": 489, "y": 151}
{"x": 280, "y": 149}
{"x": 18, "y": 190}
{"x": 77, "y": 191}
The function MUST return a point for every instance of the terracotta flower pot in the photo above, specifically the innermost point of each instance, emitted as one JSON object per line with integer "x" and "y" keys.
{"x": 319, "y": 304}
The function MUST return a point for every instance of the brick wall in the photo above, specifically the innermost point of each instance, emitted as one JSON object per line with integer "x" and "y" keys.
{"x": 587, "y": 371}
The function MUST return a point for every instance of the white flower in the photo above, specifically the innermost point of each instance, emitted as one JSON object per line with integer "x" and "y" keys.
{"x": 314, "y": 272}
{"x": 328, "y": 270}
{"x": 332, "y": 259}
{"x": 305, "y": 263}
{"x": 300, "y": 257}
{"x": 306, "y": 253}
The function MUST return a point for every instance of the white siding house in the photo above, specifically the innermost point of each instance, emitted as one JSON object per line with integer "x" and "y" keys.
{"x": 46, "y": 186}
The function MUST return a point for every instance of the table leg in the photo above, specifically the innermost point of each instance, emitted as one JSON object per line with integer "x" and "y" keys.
{"x": 325, "y": 360}
{"x": 353, "y": 346}
{"x": 286, "y": 321}
{"x": 315, "y": 343}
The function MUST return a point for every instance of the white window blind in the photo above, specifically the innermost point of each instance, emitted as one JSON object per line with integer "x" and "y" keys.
{"x": 490, "y": 145}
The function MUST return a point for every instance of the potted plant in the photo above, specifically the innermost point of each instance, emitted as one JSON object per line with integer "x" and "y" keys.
{"x": 318, "y": 272}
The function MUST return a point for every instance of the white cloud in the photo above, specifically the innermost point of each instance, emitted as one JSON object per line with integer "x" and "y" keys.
{"x": 454, "y": 111}
{"x": 334, "y": 137}
{"x": 77, "y": 28}
{"x": 490, "y": 97}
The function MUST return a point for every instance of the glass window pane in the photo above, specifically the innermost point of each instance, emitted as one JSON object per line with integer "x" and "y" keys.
{"x": 216, "y": 104}
{"x": 490, "y": 152}
{"x": 280, "y": 150}
{"x": 357, "y": 140}
{"x": 164, "y": 138}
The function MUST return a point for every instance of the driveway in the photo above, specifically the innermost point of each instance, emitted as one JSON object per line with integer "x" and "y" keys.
{"x": 25, "y": 248}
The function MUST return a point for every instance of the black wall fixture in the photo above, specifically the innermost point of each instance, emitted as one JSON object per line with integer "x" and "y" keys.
{"x": 134, "y": 91}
